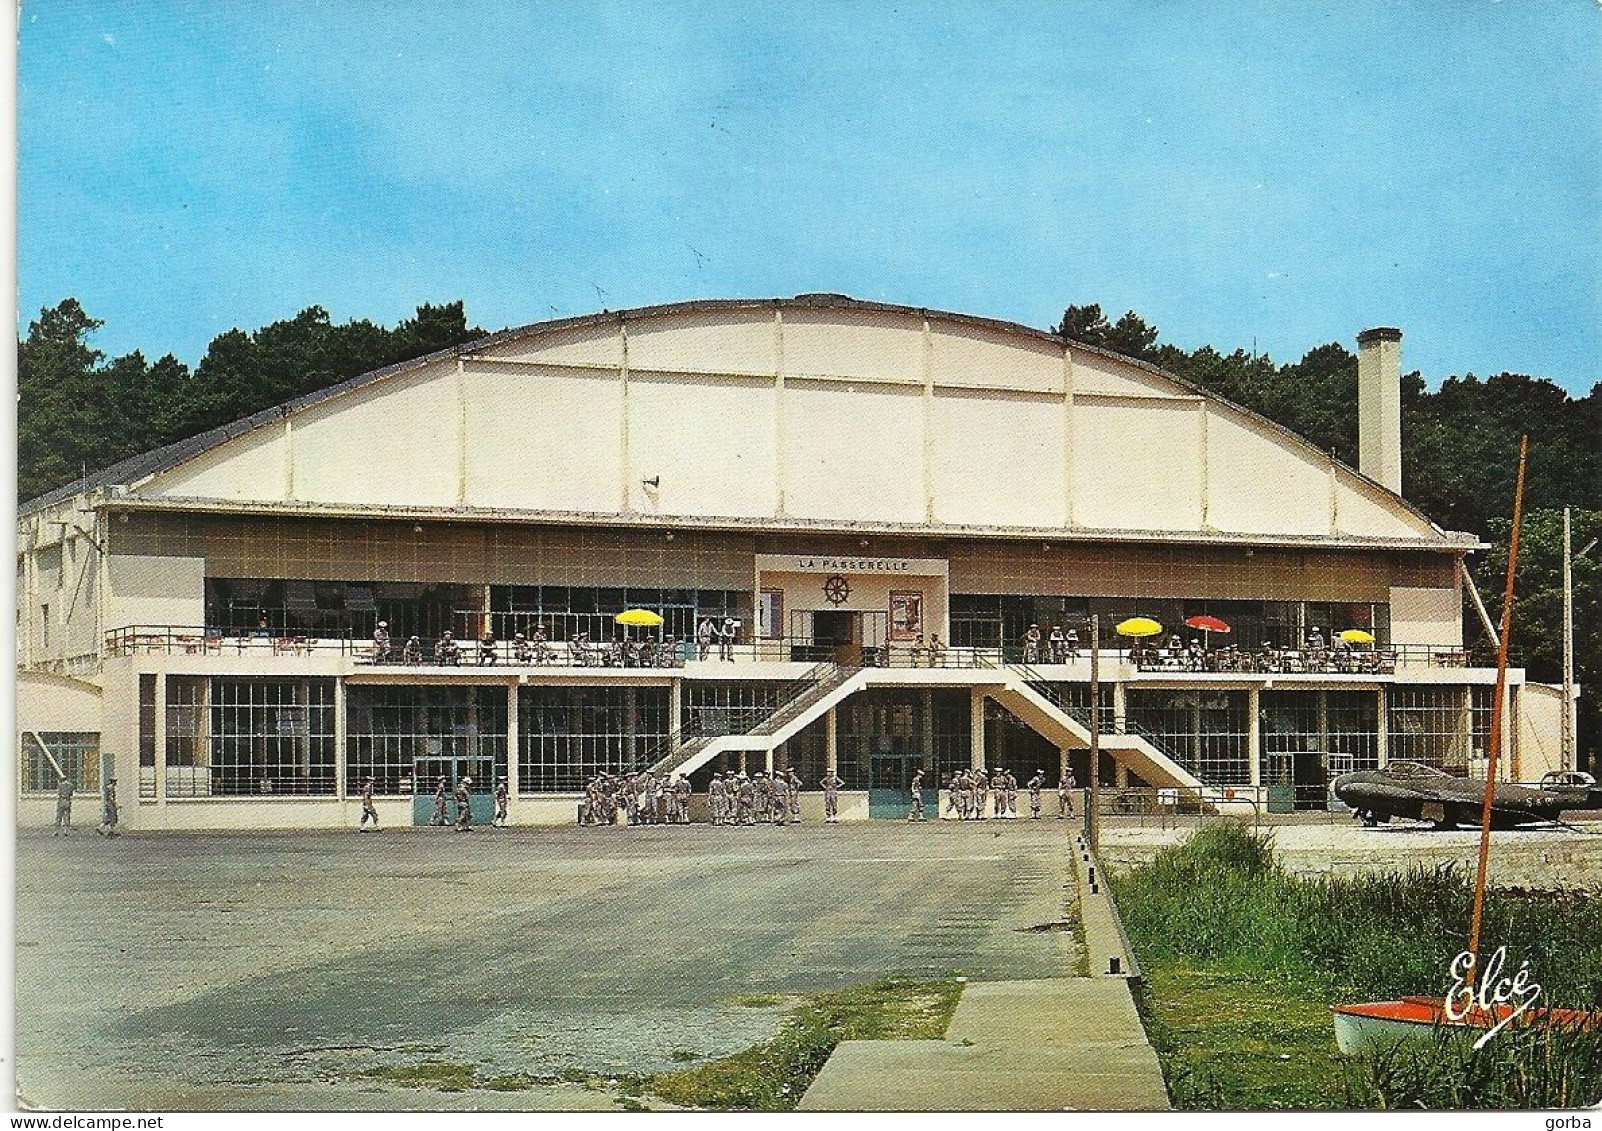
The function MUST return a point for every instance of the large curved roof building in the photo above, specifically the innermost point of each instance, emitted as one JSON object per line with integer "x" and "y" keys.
{"x": 874, "y": 511}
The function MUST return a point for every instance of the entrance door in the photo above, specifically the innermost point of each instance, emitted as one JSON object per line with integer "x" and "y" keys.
{"x": 839, "y": 633}
{"x": 1307, "y": 774}
{"x": 890, "y": 786}
{"x": 429, "y": 768}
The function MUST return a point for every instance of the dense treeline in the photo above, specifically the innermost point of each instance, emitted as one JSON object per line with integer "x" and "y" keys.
{"x": 79, "y": 411}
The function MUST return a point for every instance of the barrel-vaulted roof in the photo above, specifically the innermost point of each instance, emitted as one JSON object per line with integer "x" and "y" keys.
{"x": 770, "y": 391}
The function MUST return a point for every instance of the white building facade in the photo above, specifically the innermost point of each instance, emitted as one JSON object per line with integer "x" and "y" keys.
{"x": 881, "y": 499}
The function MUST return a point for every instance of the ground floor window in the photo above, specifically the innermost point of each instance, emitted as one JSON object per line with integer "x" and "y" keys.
{"x": 404, "y": 735}
{"x": 733, "y": 706}
{"x": 49, "y": 755}
{"x": 272, "y": 736}
{"x": 883, "y": 734}
{"x": 569, "y": 735}
{"x": 1011, "y": 744}
{"x": 147, "y": 736}
{"x": 1309, "y": 738}
{"x": 187, "y": 754}
{"x": 807, "y": 754}
{"x": 1431, "y": 725}
{"x": 1204, "y": 731}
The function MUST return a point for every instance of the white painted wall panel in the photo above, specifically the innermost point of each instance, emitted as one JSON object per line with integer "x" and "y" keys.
{"x": 1426, "y": 616}
{"x": 393, "y": 442}
{"x": 1135, "y": 465}
{"x": 998, "y": 460}
{"x": 969, "y": 355}
{"x": 544, "y": 440}
{"x": 736, "y": 342}
{"x": 153, "y": 590}
{"x": 248, "y": 467}
{"x": 823, "y": 342}
{"x": 710, "y": 441}
{"x": 1367, "y": 510}
{"x": 853, "y": 453}
{"x": 48, "y": 702}
{"x": 589, "y": 345}
{"x": 1257, "y": 485}
{"x": 1102, "y": 375}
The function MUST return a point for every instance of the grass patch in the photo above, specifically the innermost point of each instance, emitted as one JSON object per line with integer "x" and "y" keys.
{"x": 1242, "y": 960}
{"x": 773, "y": 1075}
{"x": 441, "y": 1075}
{"x": 513, "y": 1082}
{"x": 1230, "y": 1041}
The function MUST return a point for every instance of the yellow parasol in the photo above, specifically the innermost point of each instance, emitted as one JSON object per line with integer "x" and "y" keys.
{"x": 644, "y": 618}
{"x": 1139, "y": 626}
{"x": 1357, "y": 636}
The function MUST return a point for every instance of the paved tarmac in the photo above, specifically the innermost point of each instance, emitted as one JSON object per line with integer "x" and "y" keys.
{"x": 276, "y": 970}
{"x": 1533, "y": 857}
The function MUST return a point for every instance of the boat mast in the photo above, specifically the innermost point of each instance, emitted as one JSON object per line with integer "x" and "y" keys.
{"x": 1498, "y": 716}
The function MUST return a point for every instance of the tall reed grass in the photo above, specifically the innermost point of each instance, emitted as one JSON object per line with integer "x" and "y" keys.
{"x": 1221, "y": 902}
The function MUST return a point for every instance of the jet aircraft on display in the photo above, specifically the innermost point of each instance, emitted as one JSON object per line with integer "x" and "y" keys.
{"x": 1423, "y": 793}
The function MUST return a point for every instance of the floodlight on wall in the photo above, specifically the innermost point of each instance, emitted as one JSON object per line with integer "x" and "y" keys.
{"x": 864, "y": 543}
{"x": 653, "y": 483}
{"x": 417, "y": 528}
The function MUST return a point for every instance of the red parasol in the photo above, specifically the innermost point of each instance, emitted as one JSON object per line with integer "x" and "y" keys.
{"x": 1207, "y": 624}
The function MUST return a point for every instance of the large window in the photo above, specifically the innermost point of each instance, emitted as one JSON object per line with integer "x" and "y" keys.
{"x": 394, "y": 733}
{"x": 569, "y": 735}
{"x": 980, "y": 620}
{"x": 73, "y": 753}
{"x": 931, "y": 727}
{"x": 564, "y": 610}
{"x": 147, "y": 735}
{"x": 1204, "y": 731}
{"x": 188, "y": 753}
{"x": 731, "y": 707}
{"x": 239, "y": 605}
{"x": 1309, "y": 738}
{"x": 1430, "y": 725}
{"x": 272, "y": 736}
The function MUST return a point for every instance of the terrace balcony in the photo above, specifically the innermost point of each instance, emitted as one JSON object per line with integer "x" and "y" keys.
{"x": 202, "y": 650}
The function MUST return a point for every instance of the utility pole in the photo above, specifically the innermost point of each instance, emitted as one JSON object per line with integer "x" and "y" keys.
{"x": 1569, "y": 753}
{"x": 1093, "y": 796}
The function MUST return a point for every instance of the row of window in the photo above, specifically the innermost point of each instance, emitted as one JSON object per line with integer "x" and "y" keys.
{"x": 354, "y": 609}
{"x": 1000, "y": 620}
{"x": 260, "y": 737}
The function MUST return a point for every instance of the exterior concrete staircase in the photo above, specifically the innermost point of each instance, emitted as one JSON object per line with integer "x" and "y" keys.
{"x": 1037, "y": 702}
{"x": 1023, "y": 691}
{"x": 813, "y": 695}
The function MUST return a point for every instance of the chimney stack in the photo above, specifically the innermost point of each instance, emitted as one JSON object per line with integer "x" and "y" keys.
{"x": 1379, "y": 406}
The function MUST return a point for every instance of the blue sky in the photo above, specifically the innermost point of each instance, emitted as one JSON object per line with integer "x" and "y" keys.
{"x": 1284, "y": 173}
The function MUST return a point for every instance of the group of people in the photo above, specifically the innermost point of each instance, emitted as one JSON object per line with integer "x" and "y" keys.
{"x": 1316, "y": 655}
{"x": 1059, "y": 647}
{"x": 66, "y": 788}
{"x": 463, "y": 796}
{"x": 581, "y": 651}
{"x": 967, "y": 792}
{"x": 760, "y": 799}
{"x": 636, "y": 799}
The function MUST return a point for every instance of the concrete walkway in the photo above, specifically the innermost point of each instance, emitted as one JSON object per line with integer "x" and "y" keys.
{"x": 1048, "y": 1044}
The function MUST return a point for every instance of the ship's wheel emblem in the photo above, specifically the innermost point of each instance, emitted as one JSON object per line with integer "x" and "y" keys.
{"x": 836, "y": 589}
